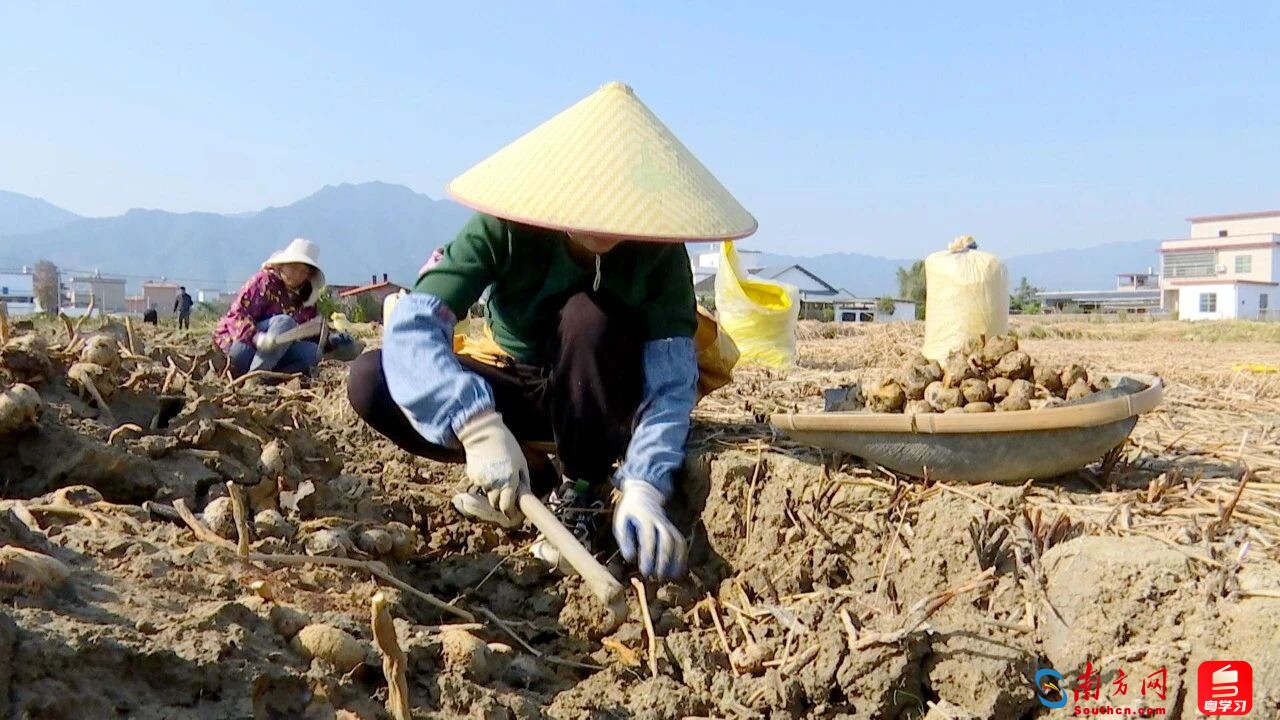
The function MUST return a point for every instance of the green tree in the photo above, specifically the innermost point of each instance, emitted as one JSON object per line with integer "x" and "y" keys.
{"x": 886, "y": 305}
{"x": 1024, "y": 298}
{"x": 45, "y": 282}
{"x": 206, "y": 311}
{"x": 911, "y": 286}
{"x": 326, "y": 305}
{"x": 365, "y": 309}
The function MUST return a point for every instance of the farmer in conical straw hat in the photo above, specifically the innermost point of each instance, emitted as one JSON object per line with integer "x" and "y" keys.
{"x": 579, "y": 237}
{"x": 278, "y": 298}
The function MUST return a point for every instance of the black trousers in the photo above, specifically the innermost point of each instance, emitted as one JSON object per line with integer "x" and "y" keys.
{"x": 584, "y": 402}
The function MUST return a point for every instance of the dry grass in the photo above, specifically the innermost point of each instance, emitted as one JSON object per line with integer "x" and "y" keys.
{"x": 1200, "y": 474}
{"x": 1204, "y": 463}
{"x": 1115, "y": 328}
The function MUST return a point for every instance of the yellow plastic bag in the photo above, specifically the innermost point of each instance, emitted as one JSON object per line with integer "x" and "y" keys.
{"x": 482, "y": 349}
{"x": 340, "y": 322}
{"x": 759, "y": 315}
{"x": 967, "y": 297}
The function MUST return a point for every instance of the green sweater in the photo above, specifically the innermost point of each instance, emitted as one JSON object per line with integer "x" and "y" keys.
{"x": 532, "y": 275}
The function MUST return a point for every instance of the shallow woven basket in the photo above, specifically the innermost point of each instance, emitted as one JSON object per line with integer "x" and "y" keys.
{"x": 1010, "y": 447}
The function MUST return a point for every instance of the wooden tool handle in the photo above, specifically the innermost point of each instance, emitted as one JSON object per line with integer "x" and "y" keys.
{"x": 307, "y": 329}
{"x": 604, "y": 585}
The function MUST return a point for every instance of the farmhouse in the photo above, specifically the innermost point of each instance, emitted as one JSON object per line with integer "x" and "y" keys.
{"x": 1228, "y": 269}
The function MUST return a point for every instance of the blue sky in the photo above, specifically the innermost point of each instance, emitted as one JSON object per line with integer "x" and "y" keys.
{"x": 842, "y": 127}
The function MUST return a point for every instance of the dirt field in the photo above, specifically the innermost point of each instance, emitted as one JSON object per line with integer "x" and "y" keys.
{"x": 819, "y": 587}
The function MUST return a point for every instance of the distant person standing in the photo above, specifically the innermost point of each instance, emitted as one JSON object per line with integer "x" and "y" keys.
{"x": 182, "y": 305}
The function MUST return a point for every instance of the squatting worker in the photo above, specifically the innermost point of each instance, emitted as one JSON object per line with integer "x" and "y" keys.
{"x": 591, "y": 318}
{"x": 278, "y": 298}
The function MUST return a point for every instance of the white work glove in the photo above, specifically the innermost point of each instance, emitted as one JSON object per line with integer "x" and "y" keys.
{"x": 644, "y": 533}
{"x": 495, "y": 463}
{"x": 264, "y": 341}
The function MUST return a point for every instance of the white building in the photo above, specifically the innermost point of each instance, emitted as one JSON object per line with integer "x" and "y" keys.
{"x": 849, "y": 309}
{"x": 813, "y": 289}
{"x": 1228, "y": 269}
{"x": 18, "y": 291}
{"x": 1134, "y": 292}
{"x": 707, "y": 264}
{"x": 214, "y": 296}
{"x": 818, "y": 298}
{"x": 105, "y": 293}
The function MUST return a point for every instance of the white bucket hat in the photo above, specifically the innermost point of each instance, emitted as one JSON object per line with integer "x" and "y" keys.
{"x": 308, "y": 253}
{"x": 606, "y": 166}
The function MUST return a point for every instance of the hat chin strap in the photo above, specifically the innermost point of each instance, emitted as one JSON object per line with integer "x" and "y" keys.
{"x": 595, "y": 285}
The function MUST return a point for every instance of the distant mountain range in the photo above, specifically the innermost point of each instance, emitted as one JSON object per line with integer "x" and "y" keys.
{"x": 362, "y": 230}
{"x": 20, "y": 215}
{"x": 373, "y": 228}
{"x": 1091, "y": 268}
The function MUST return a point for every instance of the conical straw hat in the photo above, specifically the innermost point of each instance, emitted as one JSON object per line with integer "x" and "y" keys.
{"x": 606, "y": 166}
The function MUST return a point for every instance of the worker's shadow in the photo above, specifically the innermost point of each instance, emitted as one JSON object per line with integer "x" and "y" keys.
{"x": 88, "y": 662}
{"x": 93, "y": 677}
{"x": 1142, "y": 472}
{"x": 1180, "y": 466}
{"x": 529, "y": 597}
{"x": 85, "y": 594}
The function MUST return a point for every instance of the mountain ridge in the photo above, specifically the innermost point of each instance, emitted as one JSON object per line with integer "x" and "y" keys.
{"x": 370, "y": 228}
{"x": 363, "y": 230}
{"x": 22, "y": 214}
{"x": 1067, "y": 269}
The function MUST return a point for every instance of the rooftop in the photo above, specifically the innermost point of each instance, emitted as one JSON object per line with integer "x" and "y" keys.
{"x": 1265, "y": 239}
{"x": 96, "y": 279}
{"x": 844, "y": 297}
{"x": 369, "y": 288}
{"x": 1099, "y": 294}
{"x": 1235, "y": 216}
{"x": 773, "y": 272}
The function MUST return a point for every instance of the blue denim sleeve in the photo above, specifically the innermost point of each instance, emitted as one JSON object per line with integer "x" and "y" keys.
{"x": 656, "y": 451}
{"x": 424, "y": 377}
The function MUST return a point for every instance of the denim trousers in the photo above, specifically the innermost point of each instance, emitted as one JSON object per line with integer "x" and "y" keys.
{"x": 289, "y": 357}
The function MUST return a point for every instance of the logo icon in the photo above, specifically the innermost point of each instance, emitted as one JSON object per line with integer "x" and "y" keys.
{"x": 1225, "y": 687}
{"x": 1050, "y": 689}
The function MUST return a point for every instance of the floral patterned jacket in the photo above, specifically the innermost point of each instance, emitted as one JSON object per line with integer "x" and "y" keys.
{"x": 264, "y": 296}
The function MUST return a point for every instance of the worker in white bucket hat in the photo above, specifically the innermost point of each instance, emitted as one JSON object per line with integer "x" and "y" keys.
{"x": 279, "y": 298}
{"x": 579, "y": 238}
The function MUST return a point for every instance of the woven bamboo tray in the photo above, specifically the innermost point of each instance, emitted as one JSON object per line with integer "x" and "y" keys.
{"x": 1010, "y": 447}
